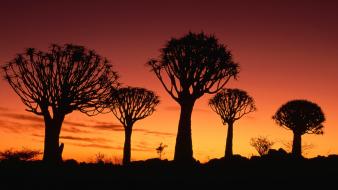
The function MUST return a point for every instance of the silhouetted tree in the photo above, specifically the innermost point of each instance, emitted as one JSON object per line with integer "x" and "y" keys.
{"x": 301, "y": 117}
{"x": 130, "y": 105}
{"x": 188, "y": 68}
{"x": 53, "y": 84}
{"x": 160, "y": 150}
{"x": 261, "y": 144}
{"x": 231, "y": 105}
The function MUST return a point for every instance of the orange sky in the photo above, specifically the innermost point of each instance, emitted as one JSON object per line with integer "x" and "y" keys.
{"x": 285, "y": 49}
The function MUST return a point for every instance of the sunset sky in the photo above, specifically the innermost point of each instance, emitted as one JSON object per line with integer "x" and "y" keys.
{"x": 286, "y": 50}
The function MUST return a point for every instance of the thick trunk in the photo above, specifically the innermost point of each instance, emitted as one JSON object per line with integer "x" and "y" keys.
{"x": 228, "y": 147}
{"x": 127, "y": 145}
{"x": 52, "y": 150}
{"x": 297, "y": 145}
{"x": 183, "y": 148}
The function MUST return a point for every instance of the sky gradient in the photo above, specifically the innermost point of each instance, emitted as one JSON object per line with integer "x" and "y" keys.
{"x": 286, "y": 50}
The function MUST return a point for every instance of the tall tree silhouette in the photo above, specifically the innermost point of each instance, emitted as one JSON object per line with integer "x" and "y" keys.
{"x": 53, "y": 84}
{"x": 130, "y": 105}
{"x": 189, "y": 67}
{"x": 301, "y": 117}
{"x": 231, "y": 105}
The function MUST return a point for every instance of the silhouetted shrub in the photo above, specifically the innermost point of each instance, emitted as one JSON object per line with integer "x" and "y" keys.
{"x": 261, "y": 144}
{"x": 19, "y": 155}
{"x": 277, "y": 154}
{"x": 333, "y": 156}
{"x": 70, "y": 163}
{"x": 99, "y": 158}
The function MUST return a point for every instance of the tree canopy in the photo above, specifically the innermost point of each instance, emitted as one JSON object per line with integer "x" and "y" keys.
{"x": 232, "y": 104}
{"x": 130, "y": 104}
{"x": 300, "y": 116}
{"x": 66, "y": 78}
{"x": 193, "y": 65}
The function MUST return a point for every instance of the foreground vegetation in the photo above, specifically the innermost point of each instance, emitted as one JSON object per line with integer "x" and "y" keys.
{"x": 277, "y": 168}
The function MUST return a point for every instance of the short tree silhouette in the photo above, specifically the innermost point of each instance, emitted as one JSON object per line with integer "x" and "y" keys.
{"x": 130, "y": 105}
{"x": 160, "y": 150}
{"x": 188, "y": 68}
{"x": 231, "y": 105}
{"x": 55, "y": 83}
{"x": 261, "y": 144}
{"x": 301, "y": 117}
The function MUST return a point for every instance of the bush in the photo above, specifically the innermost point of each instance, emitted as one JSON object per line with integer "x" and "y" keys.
{"x": 261, "y": 144}
{"x": 19, "y": 155}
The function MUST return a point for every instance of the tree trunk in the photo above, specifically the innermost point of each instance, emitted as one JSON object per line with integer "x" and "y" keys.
{"x": 228, "y": 147}
{"x": 127, "y": 145}
{"x": 52, "y": 150}
{"x": 183, "y": 147}
{"x": 297, "y": 145}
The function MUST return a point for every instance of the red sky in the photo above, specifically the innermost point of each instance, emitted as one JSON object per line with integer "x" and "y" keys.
{"x": 286, "y": 50}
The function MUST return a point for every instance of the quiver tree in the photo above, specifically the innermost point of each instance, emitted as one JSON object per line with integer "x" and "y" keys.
{"x": 189, "y": 67}
{"x": 130, "y": 105}
{"x": 231, "y": 105}
{"x": 301, "y": 117}
{"x": 53, "y": 84}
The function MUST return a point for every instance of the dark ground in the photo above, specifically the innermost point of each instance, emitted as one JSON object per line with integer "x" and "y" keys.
{"x": 273, "y": 171}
